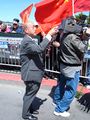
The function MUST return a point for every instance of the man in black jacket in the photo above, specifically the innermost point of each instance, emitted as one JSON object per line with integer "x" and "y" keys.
{"x": 70, "y": 56}
{"x": 32, "y": 68}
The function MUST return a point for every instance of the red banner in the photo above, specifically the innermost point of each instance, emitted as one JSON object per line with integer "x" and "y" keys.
{"x": 26, "y": 13}
{"x": 81, "y": 5}
{"x": 51, "y": 12}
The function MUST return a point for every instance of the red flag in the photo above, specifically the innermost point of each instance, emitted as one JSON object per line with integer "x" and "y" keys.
{"x": 51, "y": 12}
{"x": 25, "y": 14}
{"x": 81, "y": 5}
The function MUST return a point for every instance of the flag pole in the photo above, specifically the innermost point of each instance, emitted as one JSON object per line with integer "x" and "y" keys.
{"x": 73, "y": 8}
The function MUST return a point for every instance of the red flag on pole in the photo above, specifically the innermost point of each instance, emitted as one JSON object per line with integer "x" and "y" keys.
{"x": 51, "y": 12}
{"x": 25, "y": 14}
{"x": 81, "y": 5}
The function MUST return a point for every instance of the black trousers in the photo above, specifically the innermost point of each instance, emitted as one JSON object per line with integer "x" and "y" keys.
{"x": 30, "y": 93}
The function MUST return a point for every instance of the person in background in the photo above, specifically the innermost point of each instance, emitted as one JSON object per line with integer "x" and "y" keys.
{"x": 71, "y": 53}
{"x": 32, "y": 67}
{"x": 88, "y": 66}
{"x": 5, "y": 28}
{"x": 0, "y": 25}
{"x": 16, "y": 28}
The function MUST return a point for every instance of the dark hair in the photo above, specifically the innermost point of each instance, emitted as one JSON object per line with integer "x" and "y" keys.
{"x": 15, "y": 19}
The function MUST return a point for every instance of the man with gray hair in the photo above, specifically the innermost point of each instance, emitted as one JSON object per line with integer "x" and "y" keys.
{"x": 32, "y": 68}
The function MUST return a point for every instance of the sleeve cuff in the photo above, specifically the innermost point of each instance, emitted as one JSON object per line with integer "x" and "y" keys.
{"x": 48, "y": 37}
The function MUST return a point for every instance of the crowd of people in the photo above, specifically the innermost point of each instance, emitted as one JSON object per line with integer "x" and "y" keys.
{"x": 15, "y": 27}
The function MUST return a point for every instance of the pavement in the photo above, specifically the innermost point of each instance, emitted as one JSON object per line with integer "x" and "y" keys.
{"x": 11, "y": 99}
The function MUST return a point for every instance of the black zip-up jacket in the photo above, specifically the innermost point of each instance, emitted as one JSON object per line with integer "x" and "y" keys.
{"x": 71, "y": 50}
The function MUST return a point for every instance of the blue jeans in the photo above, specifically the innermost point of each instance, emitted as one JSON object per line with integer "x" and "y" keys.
{"x": 65, "y": 92}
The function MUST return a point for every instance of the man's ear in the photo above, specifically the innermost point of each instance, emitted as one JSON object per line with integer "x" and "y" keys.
{"x": 26, "y": 30}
